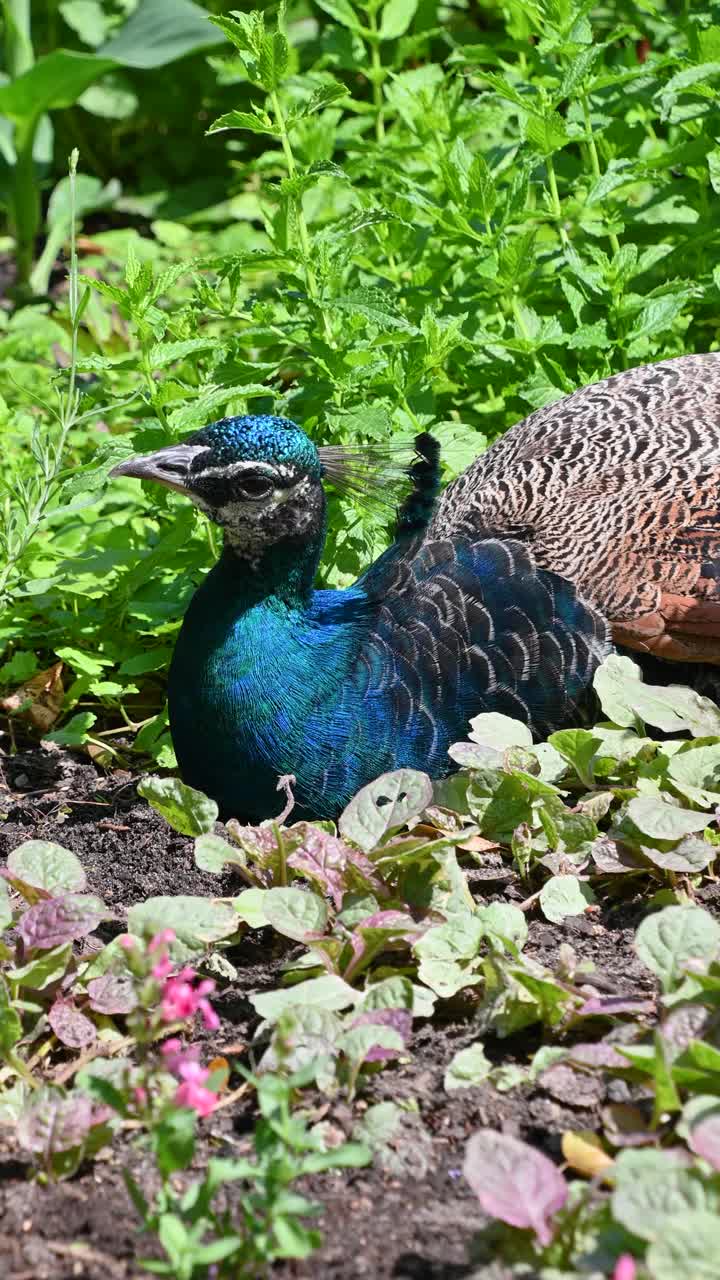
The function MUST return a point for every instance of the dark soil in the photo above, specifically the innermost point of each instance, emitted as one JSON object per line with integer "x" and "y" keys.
{"x": 414, "y": 1223}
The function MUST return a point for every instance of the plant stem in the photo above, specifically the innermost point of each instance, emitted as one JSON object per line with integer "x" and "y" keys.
{"x": 25, "y": 198}
{"x": 555, "y": 197}
{"x": 377, "y": 77}
{"x": 311, "y": 282}
{"x": 595, "y": 163}
{"x": 50, "y": 457}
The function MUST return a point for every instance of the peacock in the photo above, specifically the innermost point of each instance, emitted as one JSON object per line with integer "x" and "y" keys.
{"x": 595, "y": 519}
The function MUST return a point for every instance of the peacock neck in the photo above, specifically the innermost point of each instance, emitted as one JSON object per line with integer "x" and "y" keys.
{"x": 284, "y": 573}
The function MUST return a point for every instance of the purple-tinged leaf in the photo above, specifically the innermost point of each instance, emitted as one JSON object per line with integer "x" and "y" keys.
{"x": 70, "y": 1025}
{"x": 332, "y": 864}
{"x": 601, "y": 1055}
{"x": 399, "y": 1020}
{"x": 577, "y": 1088}
{"x": 609, "y": 1006}
{"x": 613, "y": 858}
{"x": 58, "y": 920}
{"x": 704, "y": 1139}
{"x": 514, "y": 1182}
{"x": 627, "y": 1126}
{"x": 111, "y": 994}
{"x": 683, "y": 1024}
{"x": 377, "y": 931}
{"x": 30, "y": 892}
{"x": 54, "y": 1122}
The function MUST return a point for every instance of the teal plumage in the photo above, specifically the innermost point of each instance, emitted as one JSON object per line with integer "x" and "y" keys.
{"x": 271, "y": 676}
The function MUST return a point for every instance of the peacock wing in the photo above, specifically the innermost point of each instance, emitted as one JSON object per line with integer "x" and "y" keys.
{"x": 462, "y": 627}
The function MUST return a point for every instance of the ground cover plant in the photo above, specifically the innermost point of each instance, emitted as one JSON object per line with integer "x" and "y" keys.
{"x": 431, "y": 217}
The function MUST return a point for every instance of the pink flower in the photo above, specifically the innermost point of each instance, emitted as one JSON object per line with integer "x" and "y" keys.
{"x": 161, "y": 939}
{"x": 181, "y": 1000}
{"x": 192, "y": 1092}
{"x": 162, "y": 969}
{"x": 140, "y": 1095}
{"x": 625, "y": 1268}
{"x": 176, "y": 1055}
{"x": 126, "y": 941}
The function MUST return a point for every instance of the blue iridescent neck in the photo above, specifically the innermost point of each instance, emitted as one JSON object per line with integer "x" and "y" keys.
{"x": 284, "y": 571}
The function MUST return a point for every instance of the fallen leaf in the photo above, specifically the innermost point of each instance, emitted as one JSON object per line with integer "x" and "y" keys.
{"x": 40, "y": 698}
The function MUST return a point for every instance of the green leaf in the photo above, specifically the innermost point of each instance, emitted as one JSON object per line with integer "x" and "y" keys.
{"x": 196, "y": 922}
{"x": 75, "y": 732}
{"x": 389, "y": 802}
{"x": 329, "y": 992}
{"x": 295, "y": 913}
{"x": 342, "y": 11}
{"x": 687, "y": 1248}
{"x": 667, "y": 940}
{"x": 662, "y": 821}
{"x": 652, "y": 1186}
{"x": 6, "y": 914}
{"x": 259, "y": 122}
{"x": 249, "y": 907}
{"x": 159, "y": 32}
{"x": 213, "y": 854}
{"x": 696, "y": 773}
{"x": 47, "y": 866}
{"x": 625, "y": 700}
{"x": 564, "y": 896}
{"x": 546, "y": 134}
{"x": 578, "y": 747}
{"x": 10, "y": 1024}
{"x": 55, "y": 80}
{"x": 468, "y": 1067}
{"x": 396, "y": 18}
{"x": 185, "y": 809}
{"x": 492, "y": 729}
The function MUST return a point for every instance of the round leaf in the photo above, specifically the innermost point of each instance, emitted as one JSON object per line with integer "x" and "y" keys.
{"x": 688, "y": 1249}
{"x": 388, "y": 802}
{"x": 666, "y": 941}
{"x": 47, "y": 866}
{"x": 196, "y": 922}
{"x": 564, "y": 896}
{"x": 294, "y": 913}
{"x": 662, "y": 821}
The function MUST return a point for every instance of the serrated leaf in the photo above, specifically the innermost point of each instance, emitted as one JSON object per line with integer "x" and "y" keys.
{"x": 254, "y": 122}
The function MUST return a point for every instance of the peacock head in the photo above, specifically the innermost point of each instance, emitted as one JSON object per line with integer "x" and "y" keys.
{"x": 257, "y": 477}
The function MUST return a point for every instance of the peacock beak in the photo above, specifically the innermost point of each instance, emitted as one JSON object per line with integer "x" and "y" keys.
{"x": 169, "y": 466}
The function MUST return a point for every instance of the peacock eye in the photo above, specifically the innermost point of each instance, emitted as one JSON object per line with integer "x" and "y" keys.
{"x": 254, "y": 487}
